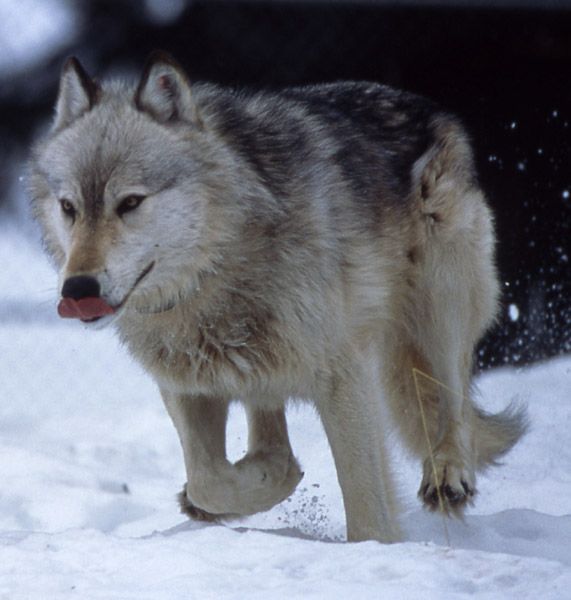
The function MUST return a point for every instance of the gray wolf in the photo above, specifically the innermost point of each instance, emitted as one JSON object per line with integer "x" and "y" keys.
{"x": 326, "y": 243}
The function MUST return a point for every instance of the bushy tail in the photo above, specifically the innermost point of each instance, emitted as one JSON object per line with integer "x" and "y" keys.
{"x": 497, "y": 434}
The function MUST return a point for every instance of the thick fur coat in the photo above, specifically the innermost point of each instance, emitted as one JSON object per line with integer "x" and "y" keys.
{"x": 329, "y": 243}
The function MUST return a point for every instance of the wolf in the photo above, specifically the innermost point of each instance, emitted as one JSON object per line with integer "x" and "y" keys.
{"x": 328, "y": 243}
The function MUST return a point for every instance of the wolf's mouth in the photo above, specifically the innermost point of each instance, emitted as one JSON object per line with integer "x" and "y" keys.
{"x": 93, "y": 308}
{"x": 143, "y": 274}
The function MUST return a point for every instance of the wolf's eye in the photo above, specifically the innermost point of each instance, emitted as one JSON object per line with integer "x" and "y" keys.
{"x": 67, "y": 208}
{"x": 129, "y": 203}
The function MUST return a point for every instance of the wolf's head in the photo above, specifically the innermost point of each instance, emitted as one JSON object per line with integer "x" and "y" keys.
{"x": 118, "y": 189}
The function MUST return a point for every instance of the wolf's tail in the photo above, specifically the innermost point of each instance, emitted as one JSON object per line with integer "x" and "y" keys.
{"x": 496, "y": 434}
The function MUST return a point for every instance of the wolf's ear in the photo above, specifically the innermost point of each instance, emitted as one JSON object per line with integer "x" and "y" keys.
{"x": 78, "y": 93}
{"x": 164, "y": 91}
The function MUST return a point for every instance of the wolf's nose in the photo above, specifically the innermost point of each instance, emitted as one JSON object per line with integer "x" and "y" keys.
{"x": 81, "y": 286}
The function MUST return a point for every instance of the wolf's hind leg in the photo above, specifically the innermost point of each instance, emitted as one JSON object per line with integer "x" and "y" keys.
{"x": 450, "y": 301}
{"x": 434, "y": 418}
{"x": 449, "y": 469}
{"x": 217, "y": 488}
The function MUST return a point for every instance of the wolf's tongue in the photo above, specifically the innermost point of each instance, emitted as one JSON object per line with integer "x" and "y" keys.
{"x": 84, "y": 308}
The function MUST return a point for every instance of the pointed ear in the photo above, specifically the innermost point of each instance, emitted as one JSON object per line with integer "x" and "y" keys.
{"x": 164, "y": 91}
{"x": 78, "y": 93}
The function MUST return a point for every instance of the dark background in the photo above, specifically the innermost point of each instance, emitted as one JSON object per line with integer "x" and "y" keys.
{"x": 506, "y": 72}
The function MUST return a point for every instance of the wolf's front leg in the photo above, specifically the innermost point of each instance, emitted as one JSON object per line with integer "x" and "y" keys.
{"x": 270, "y": 456}
{"x": 217, "y": 488}
{"x": 350, "y": 414}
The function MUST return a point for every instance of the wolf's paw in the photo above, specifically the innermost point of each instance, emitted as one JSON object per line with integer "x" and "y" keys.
{"x": 446, "y": 486}
{"x": 254, "y": 484}
{"x": 198, "y": 514}
{"x": 275, "y": 474}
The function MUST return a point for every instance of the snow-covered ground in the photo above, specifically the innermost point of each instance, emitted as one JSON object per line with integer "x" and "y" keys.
{"x": 90, "y": 466}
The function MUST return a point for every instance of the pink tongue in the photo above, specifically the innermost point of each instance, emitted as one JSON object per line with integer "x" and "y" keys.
{"x": 85, "y": 308}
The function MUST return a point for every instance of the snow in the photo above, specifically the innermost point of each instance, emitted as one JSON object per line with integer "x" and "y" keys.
{"x": 32, "y": 30}
{"x": 91, "y": 464}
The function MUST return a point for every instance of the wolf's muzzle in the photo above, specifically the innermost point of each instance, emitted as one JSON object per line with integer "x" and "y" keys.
{"x": 81, "y": 286}
{"x": 81, "y": 299}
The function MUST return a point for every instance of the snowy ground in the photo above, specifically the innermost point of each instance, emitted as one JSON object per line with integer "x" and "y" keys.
{"x": 91, "y": 464}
